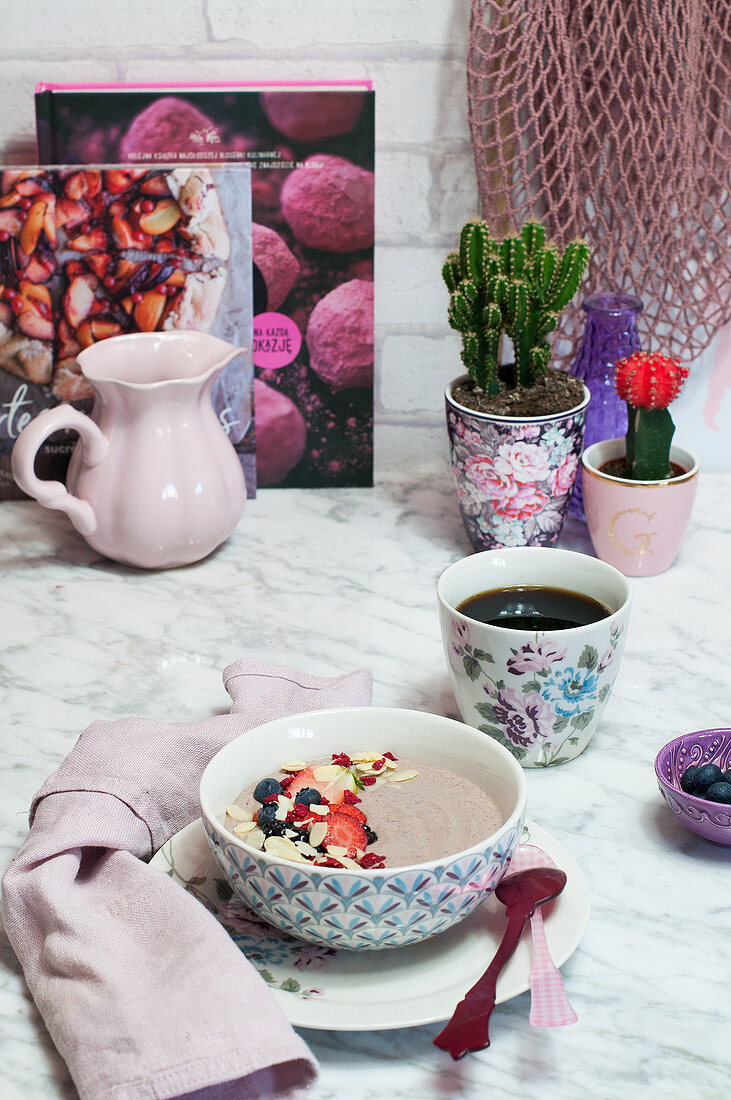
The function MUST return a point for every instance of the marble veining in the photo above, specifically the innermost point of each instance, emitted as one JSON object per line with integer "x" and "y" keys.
{"x": 334, "y": 580}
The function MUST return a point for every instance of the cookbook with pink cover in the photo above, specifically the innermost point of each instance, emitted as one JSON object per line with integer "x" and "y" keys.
{"x": 311, "y": 150}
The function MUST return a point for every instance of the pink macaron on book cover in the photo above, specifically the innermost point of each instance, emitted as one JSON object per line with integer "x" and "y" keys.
{"x": 311, "y": 151}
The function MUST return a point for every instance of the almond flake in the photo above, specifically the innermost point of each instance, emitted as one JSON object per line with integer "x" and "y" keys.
{"x": 305, "y": 849}
{"x": 347, "y": 861}
{"x": 290, "y": 833}
{"x": 284, "y": 805}
{"x": 238, "y": 813}
{"x": 325, "y": 772}
{"x": 316, "y": 808}
{"x": 336, "y": 850}
{"x": 401, "y": 777}
{"x": 255, "y": 838}
{"x": 285, "y": 849}
{"x": 244, "y": 827}
{"x": 389, "y": 763}
{"x": 365, "y": 757}
{"x": 364, "y": 765}
{"x": 292, "y": 766}
{"x": 317, "y": 833}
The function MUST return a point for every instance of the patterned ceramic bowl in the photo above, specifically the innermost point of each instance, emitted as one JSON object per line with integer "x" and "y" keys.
{"x": 711, "y": 820}
{"x": 365, "y": 908}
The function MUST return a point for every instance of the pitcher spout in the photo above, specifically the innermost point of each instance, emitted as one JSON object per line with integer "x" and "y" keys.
{"x": 146, "y": 359}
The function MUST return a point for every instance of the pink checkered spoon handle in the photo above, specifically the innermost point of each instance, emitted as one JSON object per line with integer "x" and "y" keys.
{"x": 521, "y": 894}
{"x": 549, "y": 1005}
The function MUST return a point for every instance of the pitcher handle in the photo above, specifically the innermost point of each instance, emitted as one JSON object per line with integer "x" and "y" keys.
{"x": 54, "y": 494}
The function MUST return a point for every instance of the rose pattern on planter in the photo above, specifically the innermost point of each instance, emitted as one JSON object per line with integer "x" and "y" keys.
{"x": 514, "y": 479}
{"x": 546, "y": 711}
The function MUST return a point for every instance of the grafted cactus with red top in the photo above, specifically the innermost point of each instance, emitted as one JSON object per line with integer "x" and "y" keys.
{"x": 648, "y": 382}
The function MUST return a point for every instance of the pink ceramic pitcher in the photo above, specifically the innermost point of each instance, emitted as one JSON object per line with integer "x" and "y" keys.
{"x": 154, "y": 480}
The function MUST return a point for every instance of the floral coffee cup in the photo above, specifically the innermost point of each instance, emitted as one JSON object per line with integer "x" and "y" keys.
{"x": 539, "y": 693}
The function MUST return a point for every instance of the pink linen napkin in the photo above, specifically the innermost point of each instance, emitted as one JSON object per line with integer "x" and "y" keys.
{"x": 142, "y": 991}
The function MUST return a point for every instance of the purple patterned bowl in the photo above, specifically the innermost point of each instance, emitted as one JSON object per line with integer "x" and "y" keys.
{"x": 711, "y": 820}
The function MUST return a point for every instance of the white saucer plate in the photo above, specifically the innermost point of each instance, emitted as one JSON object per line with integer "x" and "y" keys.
{"x": 319, "y": 987}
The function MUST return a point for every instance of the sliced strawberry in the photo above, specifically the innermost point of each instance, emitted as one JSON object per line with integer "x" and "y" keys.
{"x": 12, "y": 198}
{"x": 331, "y": 784}
{"x": 343, "y": 831}
{"x": 305, "y": 778}
{"x": 352, "y": 811}
{"x": 6, "y": 314}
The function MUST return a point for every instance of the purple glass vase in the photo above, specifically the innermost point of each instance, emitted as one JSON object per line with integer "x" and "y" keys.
{"x": 610, "y": 333}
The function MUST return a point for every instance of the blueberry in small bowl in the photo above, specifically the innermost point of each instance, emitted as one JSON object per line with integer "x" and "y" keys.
{"x": 694, "y": 776}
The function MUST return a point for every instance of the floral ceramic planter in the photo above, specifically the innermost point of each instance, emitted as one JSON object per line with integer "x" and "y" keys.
{"x": 514, "y": 477}
{"x": 637, "y": 526}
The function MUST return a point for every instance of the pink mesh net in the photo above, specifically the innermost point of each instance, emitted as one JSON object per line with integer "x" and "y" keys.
{"x": 611, "y": 120}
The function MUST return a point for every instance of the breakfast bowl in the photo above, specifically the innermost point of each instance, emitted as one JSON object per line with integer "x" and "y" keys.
{"x": 711, "y": 820}
{"x": 353, "y": 907}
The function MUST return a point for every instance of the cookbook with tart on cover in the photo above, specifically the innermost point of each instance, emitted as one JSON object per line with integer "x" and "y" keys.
{"x": 91, "y": 252}
{"x": 311, "y": 150}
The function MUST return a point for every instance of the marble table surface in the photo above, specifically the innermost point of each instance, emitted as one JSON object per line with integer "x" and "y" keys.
{"x": 333, "y": 580}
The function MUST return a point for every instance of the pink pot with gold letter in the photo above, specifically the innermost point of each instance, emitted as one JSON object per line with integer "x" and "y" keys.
{"x": 637, "y": 526}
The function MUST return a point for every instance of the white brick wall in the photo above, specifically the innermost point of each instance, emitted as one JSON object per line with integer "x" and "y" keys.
{"x": 413, "y": 51}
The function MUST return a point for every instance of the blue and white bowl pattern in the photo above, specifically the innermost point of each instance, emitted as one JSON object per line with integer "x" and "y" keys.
{"x": 372, "y": 909}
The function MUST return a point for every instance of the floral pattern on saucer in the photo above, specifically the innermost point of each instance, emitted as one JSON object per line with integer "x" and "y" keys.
{"x": 547, "y": 709}
{"x": 514, "y": 479}
{"x": 421, "y": 986}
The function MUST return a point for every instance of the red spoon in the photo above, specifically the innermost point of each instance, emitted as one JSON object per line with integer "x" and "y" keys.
{"x": 521, "y": 895}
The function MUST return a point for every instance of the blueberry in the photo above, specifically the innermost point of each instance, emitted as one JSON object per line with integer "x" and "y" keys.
{"x": 727, "y": 776}
{"x": 719, "y": 792}
{"x": 687, "y": 779}
{"x": 308, "y": 796}
{"x": 265, "y": 787}
{"x": 267, "y": 821}
{"x": 708, "y": 774}
{"x": 372, "y": 837}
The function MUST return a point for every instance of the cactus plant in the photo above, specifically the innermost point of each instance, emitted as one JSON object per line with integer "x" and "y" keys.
{"x": 648, "y": 383}
{"x": 517, "y": 286}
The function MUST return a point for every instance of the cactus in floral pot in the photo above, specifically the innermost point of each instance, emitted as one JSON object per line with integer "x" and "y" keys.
{"x": 516, "y": 428}
{"x": 639, "y": 490}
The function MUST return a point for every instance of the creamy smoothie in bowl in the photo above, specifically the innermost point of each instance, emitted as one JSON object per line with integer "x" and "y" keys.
{"x": 363, "y": 827}
{"x": 370, "y": 810}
